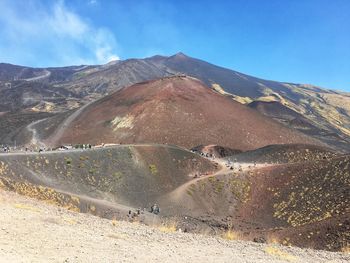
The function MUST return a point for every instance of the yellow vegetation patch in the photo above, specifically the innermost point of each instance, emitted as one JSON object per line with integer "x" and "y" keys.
{"x": 70, "y": 221}
{"x": 92, "y": 208}
{"x": 26, "y": 207}
{"x": 123, "y": 122}
{"x": 280, "y": 254}
{"x": 267, "y": 98}
{"x": 168, "y": 227}
{"x": 232, "y": 235}
{"x": 46, "y": 194}
{"x": 153, "y": 169}
{"x": 45, "y": 106}
{"x": 271, "y": 239}
{"x": 219, "y": 89}
{"x": 114, "y": 222}
{"x": 242, "y": 100}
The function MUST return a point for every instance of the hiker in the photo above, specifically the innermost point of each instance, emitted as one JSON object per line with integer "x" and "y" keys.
{"x": 155, "y": 209}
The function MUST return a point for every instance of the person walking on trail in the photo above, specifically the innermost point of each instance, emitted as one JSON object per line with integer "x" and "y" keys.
{"x": 155, "y": 209}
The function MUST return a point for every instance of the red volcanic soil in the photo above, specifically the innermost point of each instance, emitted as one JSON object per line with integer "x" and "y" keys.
{"x": 304, "y": 204}
{"x": 287, "y": 153}
{"x": 177, "y": 110}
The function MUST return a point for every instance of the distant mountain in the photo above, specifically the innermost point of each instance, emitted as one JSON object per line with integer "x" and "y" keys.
{"x": 59, "y": 89}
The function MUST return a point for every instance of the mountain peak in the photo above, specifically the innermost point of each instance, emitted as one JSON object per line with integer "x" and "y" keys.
{"x": 180, "y": 55}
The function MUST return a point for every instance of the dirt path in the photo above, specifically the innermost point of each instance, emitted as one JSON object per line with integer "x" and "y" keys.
{"x": 32, "y": 231}
{"x": 181, "y": 190}
{"x": 35, "y": 141}
{"x": 84, "y": 150}
{"x": 53, "y": 139}
{"x": 45, "y": 74}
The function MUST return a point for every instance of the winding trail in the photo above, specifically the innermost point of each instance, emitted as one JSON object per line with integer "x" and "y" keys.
{"x": 53, "y": 139}
{"x": 36, "y": 141}
{"x": 181, "y": 190}
{"x": 46, "y": 74}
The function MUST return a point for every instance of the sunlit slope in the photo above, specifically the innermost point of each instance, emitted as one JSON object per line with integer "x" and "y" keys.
{"x": 175, "y": 110}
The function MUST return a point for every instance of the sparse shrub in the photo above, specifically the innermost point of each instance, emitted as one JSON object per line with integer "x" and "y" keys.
{"x": 232, "y": 235}
{"x": 26, "y": 207}
{"x": 153, "y": 169}
{"x": 276, "y": 252}
{"x": 68, "y": 160}
{"x": 92, "y": 208}
{"x": 114, "y": 222}
{"x": 168, "y": 226}
{"x": 118, "y": 175}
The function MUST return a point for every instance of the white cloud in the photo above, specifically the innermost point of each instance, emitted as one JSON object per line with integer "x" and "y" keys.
{"x": 66, "y": 23}
{"x": 55, "y": 35}
{"x": 104, "y": 42}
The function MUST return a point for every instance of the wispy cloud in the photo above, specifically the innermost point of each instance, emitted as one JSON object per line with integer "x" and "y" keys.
{"x": 35, "y": 33}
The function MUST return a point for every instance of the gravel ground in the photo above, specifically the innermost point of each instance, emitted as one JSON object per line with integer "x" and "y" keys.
{"x": 33, "y": 231}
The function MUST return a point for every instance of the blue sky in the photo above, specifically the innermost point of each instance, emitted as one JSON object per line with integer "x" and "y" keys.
{"x": 301, "y": 41}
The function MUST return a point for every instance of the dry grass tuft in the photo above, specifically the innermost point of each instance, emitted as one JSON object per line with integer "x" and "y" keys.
{"x": 276, "y": 252}
{"x": 270, "y": 239}
{"x": 232, "y": 235}
{"x": 26, "y": 207}
{"x": 114, "y": 222}
{"x": 346, "y": 249}
{"x": 168, "y": 227}
{"x": 70, "y": 221}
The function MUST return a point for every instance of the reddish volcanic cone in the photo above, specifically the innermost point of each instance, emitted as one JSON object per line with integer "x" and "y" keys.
{"x": 177, "y": 110}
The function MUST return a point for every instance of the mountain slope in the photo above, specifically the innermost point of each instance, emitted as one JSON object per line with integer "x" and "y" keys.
{"x": 129, "y": 176}
{"x": 71, "y": 87}
{"x": 174, "y": 110}
{"x": 297, "y": 121}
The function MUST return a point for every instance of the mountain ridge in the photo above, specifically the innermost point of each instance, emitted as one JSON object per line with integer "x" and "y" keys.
{"x": 326, "y": 110}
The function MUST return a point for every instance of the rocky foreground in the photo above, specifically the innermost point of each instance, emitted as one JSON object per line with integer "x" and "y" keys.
{"x": 33, "y": 231}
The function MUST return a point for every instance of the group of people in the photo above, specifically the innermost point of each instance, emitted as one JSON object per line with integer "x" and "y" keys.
{"x": 7, "y": 149}
{"x": 204, "y": 154}
{"x": 132, "y": 215}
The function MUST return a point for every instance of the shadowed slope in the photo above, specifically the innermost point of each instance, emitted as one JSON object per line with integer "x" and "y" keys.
{"x": 290, "y": 153}
{"x": 132, "y": 176}
{"x": 297, "y": 121}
